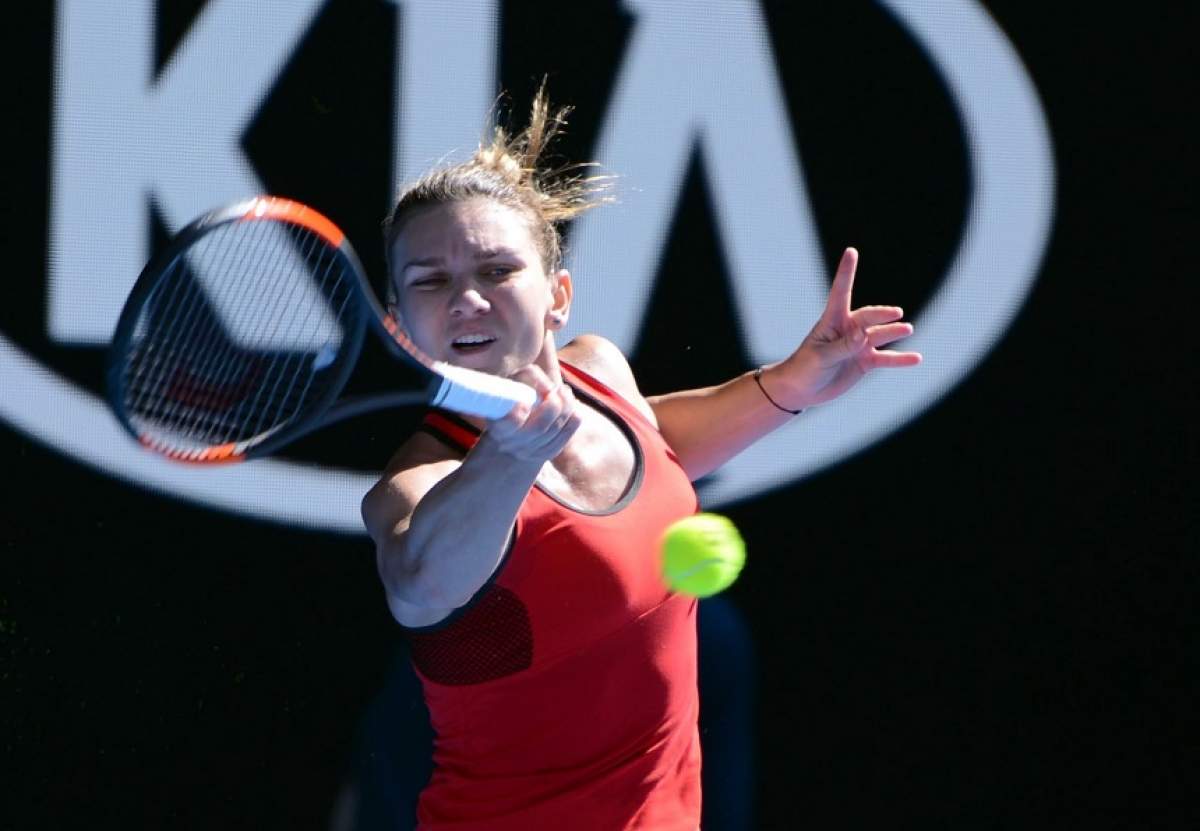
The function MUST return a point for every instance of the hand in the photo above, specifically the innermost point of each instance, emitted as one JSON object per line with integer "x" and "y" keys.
{"x": 540, "y": 432}
{"x": 843, "y": 346}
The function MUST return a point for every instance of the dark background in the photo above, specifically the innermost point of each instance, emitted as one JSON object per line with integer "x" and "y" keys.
{"x": 985, "y": 620}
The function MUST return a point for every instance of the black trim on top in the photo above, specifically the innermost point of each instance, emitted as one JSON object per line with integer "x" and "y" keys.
{"x": 639, "y": 459}
{"x": 475, "y": 598}
{"x": 433, "y": 432}
{"x": 445, "y": 438}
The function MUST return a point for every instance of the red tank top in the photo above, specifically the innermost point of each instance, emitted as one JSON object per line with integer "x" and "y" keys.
{"x": 563, "y": 695}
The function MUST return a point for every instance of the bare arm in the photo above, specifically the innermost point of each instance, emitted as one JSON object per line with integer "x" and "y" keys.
{"x": 440, "y": 526}
{"x": 685, "y": 418}
{"x": 707, "y": 427}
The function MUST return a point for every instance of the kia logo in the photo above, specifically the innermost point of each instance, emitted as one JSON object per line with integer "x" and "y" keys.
{"x": 118, "y": 139}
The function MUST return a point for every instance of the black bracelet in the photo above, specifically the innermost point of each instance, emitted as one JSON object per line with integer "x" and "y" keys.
{"x": 758, "y": 380}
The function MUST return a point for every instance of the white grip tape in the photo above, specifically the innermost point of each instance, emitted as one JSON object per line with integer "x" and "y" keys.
{"x": 479, "y": 394}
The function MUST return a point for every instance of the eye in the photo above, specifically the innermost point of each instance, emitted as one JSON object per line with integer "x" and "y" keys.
{"x": 428, "y": 282}
{"x": 498, "y": 271}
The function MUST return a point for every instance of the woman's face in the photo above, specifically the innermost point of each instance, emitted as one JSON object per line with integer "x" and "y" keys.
{"x": 471, "y": 287}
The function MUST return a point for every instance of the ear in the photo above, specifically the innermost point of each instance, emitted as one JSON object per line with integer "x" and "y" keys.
{"x": 392, "y": 306}
{"x": 561, "y": 292}
{"x": 391, "y": 298}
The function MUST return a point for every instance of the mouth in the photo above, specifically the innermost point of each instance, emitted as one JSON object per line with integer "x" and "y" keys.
{"x": 471, "y": 344}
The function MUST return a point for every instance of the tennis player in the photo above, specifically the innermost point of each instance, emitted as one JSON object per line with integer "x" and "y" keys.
{"x": 521, "y": 554}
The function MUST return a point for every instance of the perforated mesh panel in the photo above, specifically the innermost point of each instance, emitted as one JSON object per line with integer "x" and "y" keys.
{"x": 491, "y": 640}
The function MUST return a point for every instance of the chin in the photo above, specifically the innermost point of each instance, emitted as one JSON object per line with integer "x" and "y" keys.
{"x": 482, "y": 363}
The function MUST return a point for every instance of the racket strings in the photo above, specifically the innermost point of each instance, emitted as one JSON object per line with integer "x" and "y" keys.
{"x": 197, "y": 388}
{"x": 273, "y": 374}
{"x": 240, "y": 336}
{"x": 211, "y": 407}
{"x": 187, "y": 396}
{"x": 301, "y": 383}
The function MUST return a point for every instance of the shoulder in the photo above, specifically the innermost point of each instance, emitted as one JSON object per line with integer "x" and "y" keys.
{"x": 600, "y": 358}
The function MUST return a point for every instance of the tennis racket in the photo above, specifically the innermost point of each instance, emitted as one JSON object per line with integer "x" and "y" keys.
{"x": 240, "y": 336}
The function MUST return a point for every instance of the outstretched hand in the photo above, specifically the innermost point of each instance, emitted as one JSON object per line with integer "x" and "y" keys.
{"x": 843, "y": 346}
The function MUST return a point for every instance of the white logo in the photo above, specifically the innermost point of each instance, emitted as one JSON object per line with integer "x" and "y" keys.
{"x": 222, "y": 72}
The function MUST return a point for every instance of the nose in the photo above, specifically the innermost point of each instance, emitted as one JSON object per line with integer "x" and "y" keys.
{"x": 468, "y": 302}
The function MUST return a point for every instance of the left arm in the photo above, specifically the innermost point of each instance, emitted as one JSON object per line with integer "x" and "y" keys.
{"x": 707, "y": 427}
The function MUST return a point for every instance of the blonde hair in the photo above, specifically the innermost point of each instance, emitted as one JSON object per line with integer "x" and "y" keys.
{"x": 511, "y": 170}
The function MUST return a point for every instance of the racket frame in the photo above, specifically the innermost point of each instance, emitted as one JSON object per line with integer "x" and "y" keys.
{"x": 453, "y": 387}
{"x": 256, "y": 209}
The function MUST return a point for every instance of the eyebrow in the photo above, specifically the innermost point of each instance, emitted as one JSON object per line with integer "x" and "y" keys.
{"x": 426, "y": 261}
{"x": 486, "y": 254}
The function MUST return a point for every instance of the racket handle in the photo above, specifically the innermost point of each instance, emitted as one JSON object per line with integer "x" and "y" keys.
{"x": 477, "y": 393}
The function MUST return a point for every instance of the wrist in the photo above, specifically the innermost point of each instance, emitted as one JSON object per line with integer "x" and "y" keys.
{"x": 774, "y": 395}
{"x": 493, "y": 455}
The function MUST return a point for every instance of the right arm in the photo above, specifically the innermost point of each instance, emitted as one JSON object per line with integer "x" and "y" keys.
{"x": 441, "y": 526}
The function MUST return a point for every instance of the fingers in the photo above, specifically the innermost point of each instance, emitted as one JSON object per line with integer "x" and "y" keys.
{"x": 551, "y": 423}
{"x": 877, "y": 336}
{"x": 862, "y": 345}
{"x": 875, "y": 315}
{"x": 539, "y": 432}
{"x": 883, "y": 335}
{"x": 843, "y": 283}
{"x": 888, "y": 359}
{"x": 534, "y": 376}
{"x": 548, "y": 427}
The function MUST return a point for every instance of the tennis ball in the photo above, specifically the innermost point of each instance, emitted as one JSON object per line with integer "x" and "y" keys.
{"x": 702, "y": 554}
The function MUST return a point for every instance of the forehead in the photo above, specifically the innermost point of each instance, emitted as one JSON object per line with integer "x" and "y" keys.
{"x": 456, "y": 229}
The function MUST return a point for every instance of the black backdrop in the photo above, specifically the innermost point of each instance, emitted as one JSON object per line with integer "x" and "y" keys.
{"x": 981, "y": 621}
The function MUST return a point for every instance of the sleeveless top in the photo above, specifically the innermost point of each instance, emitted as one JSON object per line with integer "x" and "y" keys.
{"x": 563, "y": 695}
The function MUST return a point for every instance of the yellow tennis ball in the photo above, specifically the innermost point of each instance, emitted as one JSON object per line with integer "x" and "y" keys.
{"x": 702, "y": 554}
